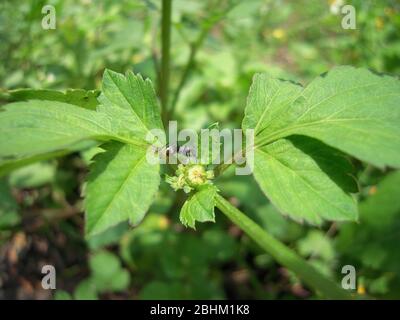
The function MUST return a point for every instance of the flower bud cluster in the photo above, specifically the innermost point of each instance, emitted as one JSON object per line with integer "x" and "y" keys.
{"x": 189, "y": 177}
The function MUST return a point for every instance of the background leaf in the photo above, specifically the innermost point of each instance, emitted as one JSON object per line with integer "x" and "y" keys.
{"x": 374, "y": 240}
{"x": 6, "y": 166}
{"x": 9, "y": 216}
{"x": 78, "y": 97}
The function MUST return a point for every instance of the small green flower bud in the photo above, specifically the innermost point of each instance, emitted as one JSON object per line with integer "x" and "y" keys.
{"x": 196, "y": 175}
{"x": 189, "y": 177}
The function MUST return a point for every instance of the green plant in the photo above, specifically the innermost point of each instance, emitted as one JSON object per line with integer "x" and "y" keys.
{"x": 302, "y": 136}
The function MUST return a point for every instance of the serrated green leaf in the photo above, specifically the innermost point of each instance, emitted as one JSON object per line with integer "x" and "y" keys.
{"x": 268, "y": 102}
{"x": 39, "y": 126}
{"x": 78, "y": 97}
{"x": 121, "y": 186}
{"x": 134, "y": 95}
{"x": 306, "y": 180}
{"x": 199, "y": 207}
{"x": 351, "y": 109}
{"x": 129, "y": 110}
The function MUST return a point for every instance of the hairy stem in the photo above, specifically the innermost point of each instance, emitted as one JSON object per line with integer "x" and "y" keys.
{"x": 165, "y": 57}
{"x": 282, "y": 254}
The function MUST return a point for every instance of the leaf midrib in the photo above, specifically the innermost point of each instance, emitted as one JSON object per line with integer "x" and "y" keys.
{"x": 121, "y": 187}
{"x": 313, "y": 106}
{"x": 266, "y": 109}
{"x": 292, "y": 129}
{"x": 94, "y": 134}
{"x": 296, "y": 125}
{"x": 131, "y": 107}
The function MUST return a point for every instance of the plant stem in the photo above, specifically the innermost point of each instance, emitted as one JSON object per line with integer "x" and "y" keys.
{"x": 189, "y": 66}
{"x": 165, "y": 57}
{"x": 194, "y": 47}
{"x": 281, "y": 253}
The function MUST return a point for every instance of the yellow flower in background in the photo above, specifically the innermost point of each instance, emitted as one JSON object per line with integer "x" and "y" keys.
{"x": 279, "y": 33}
{"x": 372, "y": 190}
{"x": 361, "y": 289}
{"x": 379, "y": 23}
{"x": 163, "y": 223}
{"x": 138, "y": 57}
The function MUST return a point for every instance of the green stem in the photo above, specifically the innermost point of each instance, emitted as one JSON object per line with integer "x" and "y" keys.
{"x": 282, "y": 253}
{"x": 194, "y": 47}
{"x": 165, "y": 57}
{"x": 189, "y": 66}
